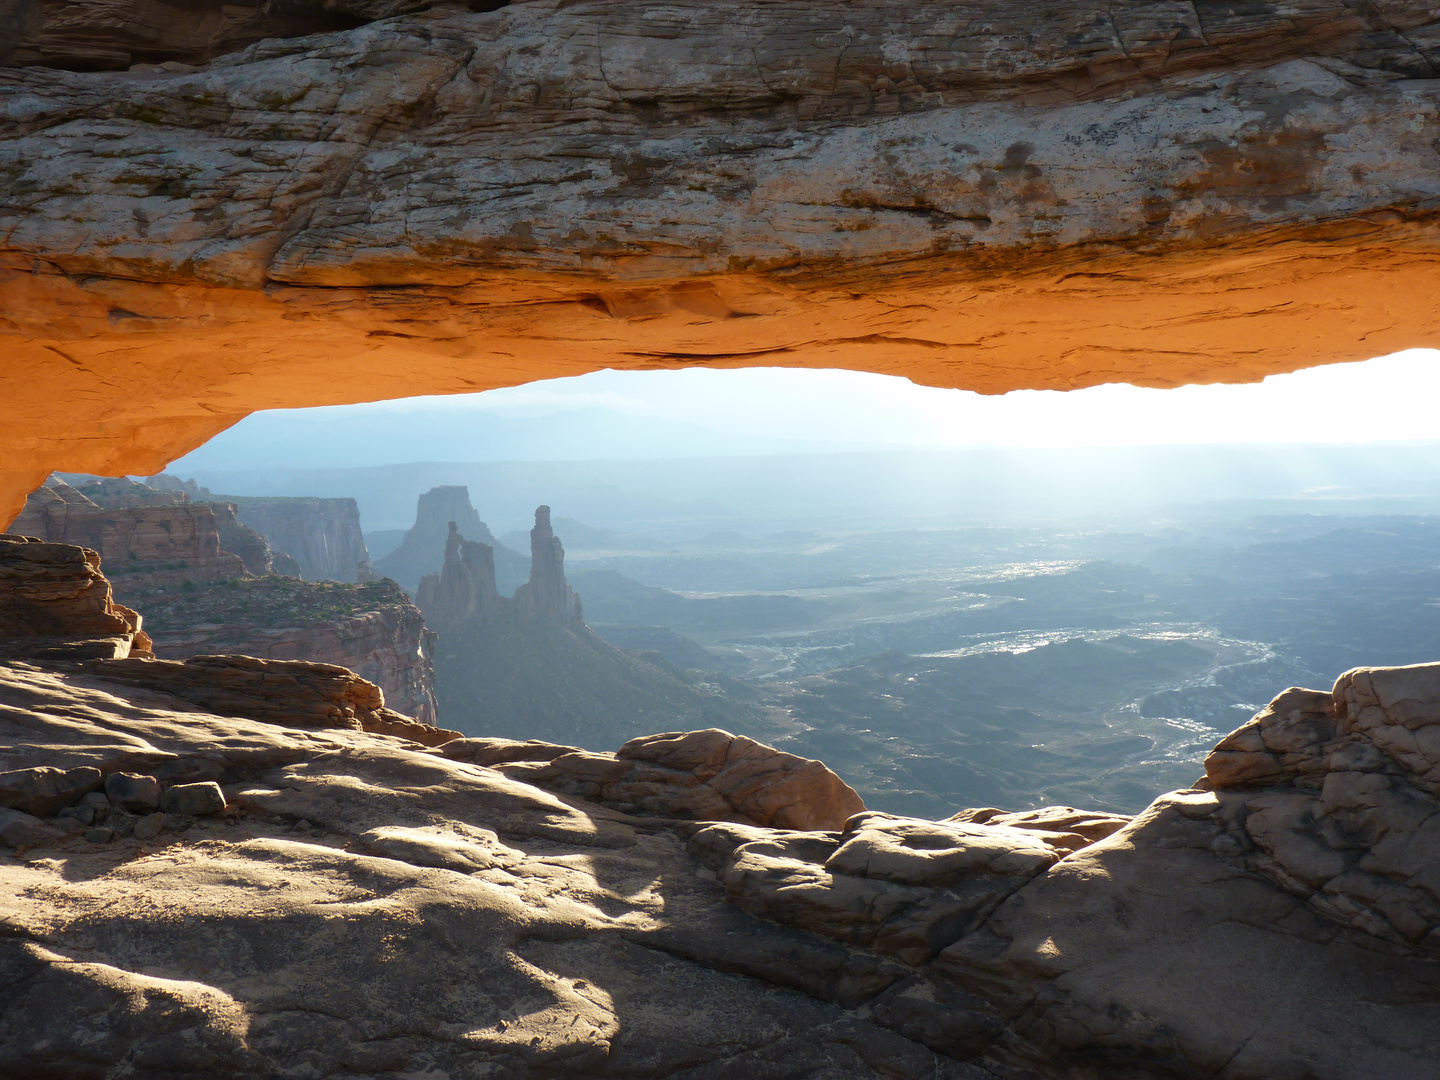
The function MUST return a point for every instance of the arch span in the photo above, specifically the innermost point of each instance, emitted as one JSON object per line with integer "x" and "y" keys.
{"x": 448, "y": 201}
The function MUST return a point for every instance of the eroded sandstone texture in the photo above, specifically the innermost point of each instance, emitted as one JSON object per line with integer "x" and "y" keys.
{"x": 238, "y": 868}
{"x": 54, "y": 601}
{"x": 983, "y": 196}
{"x": 1277, "y": 926}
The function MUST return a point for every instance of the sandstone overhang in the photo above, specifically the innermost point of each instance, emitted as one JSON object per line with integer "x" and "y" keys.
{"x": 974, "y": 195}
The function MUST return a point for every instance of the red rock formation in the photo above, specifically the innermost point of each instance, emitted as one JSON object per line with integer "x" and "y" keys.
{"x": 702, "y": 775}
{"x": 528, "y": 666}
{"x": 290, "y": 693}
{"x": 425, "y": 546}
{"x": 372, "y": 629}
{"x": 322, "y": 536}
{"x": 147, "y": 539}
{"x": 162, "y": 555}
{"x": 976, "y": 197}
{"x": 252, "y": 548}
{"x": 464, "y": 589}
{"x": 54, "y": 601}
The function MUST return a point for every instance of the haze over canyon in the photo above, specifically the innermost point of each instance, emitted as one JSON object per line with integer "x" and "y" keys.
{"x": 861, "y": 735}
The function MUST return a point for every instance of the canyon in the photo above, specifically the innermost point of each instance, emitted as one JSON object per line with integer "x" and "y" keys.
{"x": 529, "y": 667}
{"x": 322, "y": 536}
{"x": 975, "y": 199}
{"x": 169, "y": 557}
{"x": 694, "y": 904}
{"x": 247, "y": 866}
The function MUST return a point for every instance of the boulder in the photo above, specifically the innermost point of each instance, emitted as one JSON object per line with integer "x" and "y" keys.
{"x": 45, "y": 791}
{"x": 702, "y": 775}
{"x": 902, "y": 886}
{"x": 132, "y": 791}
{"x": 195, "y": 800}
{"x": 1397, "y": 711}
{"x": 20, "y": 830}
{"x": 1065, "y": 827}
{"x": 479, "y": 751}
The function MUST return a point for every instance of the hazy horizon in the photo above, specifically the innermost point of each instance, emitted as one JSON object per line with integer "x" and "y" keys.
{"x": 704, "y": 412}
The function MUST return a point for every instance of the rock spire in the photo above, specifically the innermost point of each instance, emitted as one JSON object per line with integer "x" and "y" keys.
{"x": 464, "y": 589}
{"x": 547, "y": 595}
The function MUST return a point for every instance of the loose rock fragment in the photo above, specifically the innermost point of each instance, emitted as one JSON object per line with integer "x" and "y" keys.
{"x": 44, "y": 791}
{"x": 133, "y": 791}
{"x": 196, "y": 800}
{"x": 18, "y": 829}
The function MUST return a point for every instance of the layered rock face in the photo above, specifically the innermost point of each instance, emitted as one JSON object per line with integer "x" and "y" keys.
{"x": 464, "y": 589}
{"x": 115, "y": 36}
{"x": 121, "y": 494}
{"x": 287, "y": 692}
{"x": 984, "y": 198}
{"x": 439, "y": 513}
{"x": 147, "y": 538}
{"x": 54, "y": 601}
{"x": 254, "y": 550}
{"x": 322, "y": 536}
{"x": 373, "y": 629}
{"x": 201, "y": 602}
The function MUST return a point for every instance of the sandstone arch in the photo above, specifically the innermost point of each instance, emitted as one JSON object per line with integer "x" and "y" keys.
{"x": 447, "y": 200}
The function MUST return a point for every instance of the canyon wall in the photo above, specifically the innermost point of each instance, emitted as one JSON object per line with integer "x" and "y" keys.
{"x": 143, "y": 542}
{"x": 978, "y": 197}
{"x": 163, "y": 556}
{"x": 372, "y": 629}
{"x": 322, "y": 535}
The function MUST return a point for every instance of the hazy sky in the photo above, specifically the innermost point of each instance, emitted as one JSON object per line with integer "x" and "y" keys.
{"x": 759, "y": 410}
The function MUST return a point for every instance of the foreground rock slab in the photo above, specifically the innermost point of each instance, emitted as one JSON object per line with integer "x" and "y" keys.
{"x": 241, "y": 868}
{"x": 704, "y": 775}
{"x": 375, "y": 908}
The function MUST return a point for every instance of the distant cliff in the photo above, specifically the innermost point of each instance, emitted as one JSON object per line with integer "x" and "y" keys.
{"x": 322, "y": 535}
{"x": 529, "y": 667}
{"x": 206, "y": 583}
{"x": 146, "y": 538}
{"x": 423, "y": 550}
{"x": 372, "y": 629}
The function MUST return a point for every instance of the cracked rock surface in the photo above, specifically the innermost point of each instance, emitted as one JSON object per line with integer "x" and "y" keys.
{"x": 368, "y": 905}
